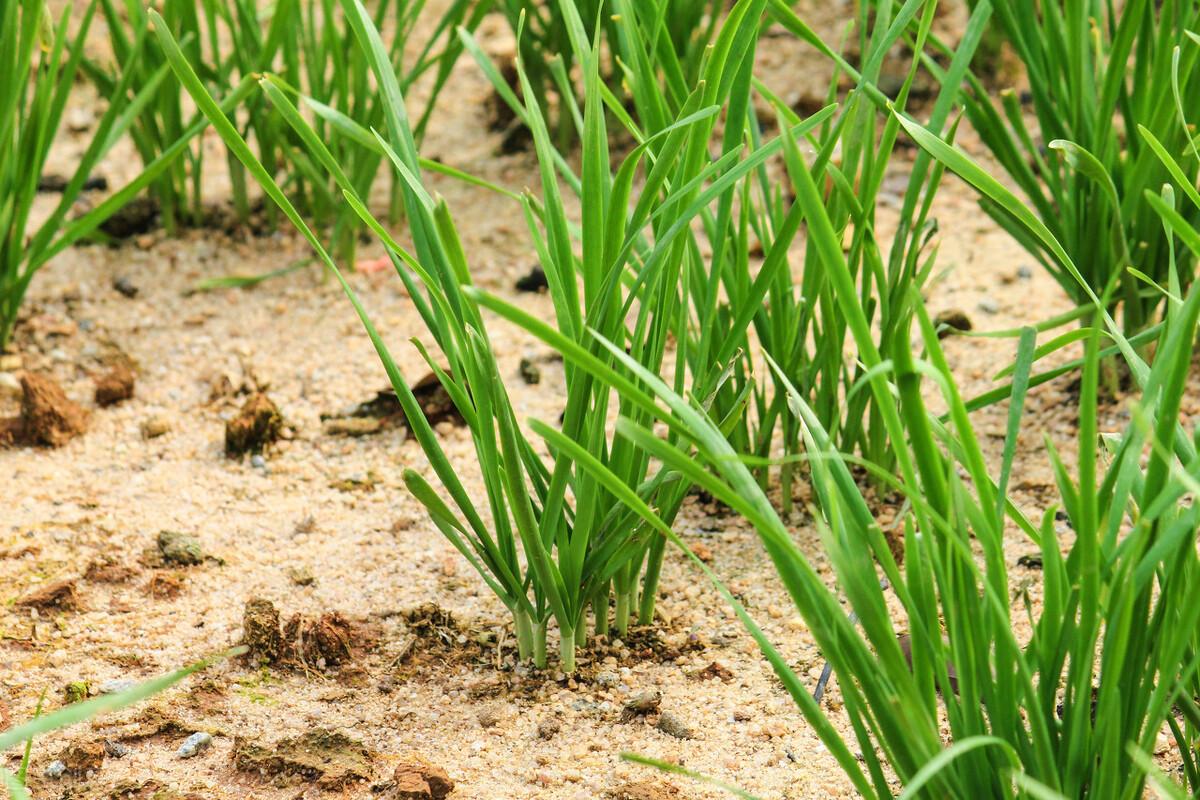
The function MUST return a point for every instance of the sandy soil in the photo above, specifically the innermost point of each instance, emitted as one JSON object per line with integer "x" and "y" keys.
{"x": 369, "y": 550}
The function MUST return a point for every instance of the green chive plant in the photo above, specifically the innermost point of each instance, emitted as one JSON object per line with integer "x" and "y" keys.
{"x": 75, "y": 713}
{"x": 795, "y": 320}
{"x": 1101, "y": 77}
{"x": 40, "y": 61}
{"x": 575, "y": 542}
{"x": 306, "y": 44}
{"x": 673, "y": 35}
{"x": 1074, "y": 709}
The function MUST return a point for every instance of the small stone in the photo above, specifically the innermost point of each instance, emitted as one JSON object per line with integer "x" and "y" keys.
{"x": 194, "y": 745}
{"x": 301, "y": 576}
{"x": 641, "y": 704}
{"x": 155, "y": 426}
{"x": 55, "y": 769}
{"x": 10, "y": 362}
{"x": 488, "y": 717}
{"x": 952, "y": 320}
{"x": 125, "y": 287}
{"x": 258, "y": 462}
{"x": 548, "y": 728}
{"x": 10, "y": 385}
{"x": 179, "y": 548}
{"x": 114, "y": 749}
{"x": 988, "y": 305}
{"x": 530, "y": 372}
{"x": 116, "y": 685}
{"x": 607, "y": 678}
{"x": 1024, "y": 272}
{"x": 672, "y": 725}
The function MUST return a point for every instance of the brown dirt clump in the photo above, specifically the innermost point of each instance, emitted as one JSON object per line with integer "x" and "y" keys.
{"x": 106, "y": 569}
{"x": 260, "y": 631}
{"x": 59, "y": 596}
{"x": 257, "y": 425}
{"x": 417, "y": 779}
{"x": 328, "y": 758}
{"x": 48, "y": 417}
{"x": 320, "y": 642}
{"x": 115, "y": 386}
{"x": 165, "y": 585}
{"x": 81, "y": 758}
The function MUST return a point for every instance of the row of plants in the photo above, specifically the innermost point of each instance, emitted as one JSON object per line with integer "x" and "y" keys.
{"x": 718, "y": 368}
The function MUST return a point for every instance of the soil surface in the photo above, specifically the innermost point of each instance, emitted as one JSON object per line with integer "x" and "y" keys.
{"x": 141, "y": 546}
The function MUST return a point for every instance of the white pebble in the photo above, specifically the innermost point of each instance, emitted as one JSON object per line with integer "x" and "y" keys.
{"x": 194, "y": 745}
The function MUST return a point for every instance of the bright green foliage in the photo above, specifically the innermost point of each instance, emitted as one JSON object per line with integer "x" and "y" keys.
{"x": 796, "y": 320}
{"x": 306, "y": 44}
{"x": 1104, "y": 79}
{"x": 673, "y": 34}
{"x": 39, "y": 62}
{"x": 1070, "y": 713}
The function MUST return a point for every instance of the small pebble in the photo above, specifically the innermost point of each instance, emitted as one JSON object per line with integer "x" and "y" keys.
{"x": 1024, "y": 272}
{"x": 116, "y": 685}
{"x": 87, "y": 325}
{"x": 607, "y": 678}
{"x": 672, "y": 725}
{"x": 155, "y": 426}
{"x": 547, "y": 728}
{"x": 55, "y": 769}
{"x": 258, "y": 462}
{"x": 10, "y": 385}
{"x": 988, "y": 305}
{"x": 114, "y": 749}
{"x": 194, "y": 745}
{"x": 125, "y": 287}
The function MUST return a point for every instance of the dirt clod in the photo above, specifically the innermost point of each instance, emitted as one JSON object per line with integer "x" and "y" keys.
{"x": 179, "y": 548}
{"x": 81, "y": 758}
{"x": 48, "y": 417}
{"x": 107, "y": 569}
{"x": 715, "y": 670}
{"x": 534, "y": 281}
{"x": 531, "y": 373}
{"x": 328, "y": 758}
{"x": 115, "y": 386}
{"x": 165, "y": 585}
{"x": 324, "y": 641}
{"x": 417, "y": 779}
{"x": 548, "y": 728}
{"x": 59, "y": 596}
{"x": 954, "y": 320}
{"x": 260, "y": 631}
{"x": 257, "y": 425}
{"x": 136, "y": 217}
